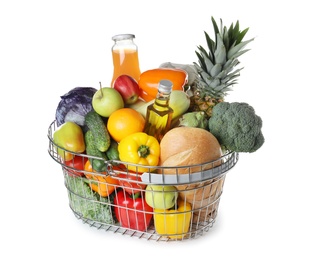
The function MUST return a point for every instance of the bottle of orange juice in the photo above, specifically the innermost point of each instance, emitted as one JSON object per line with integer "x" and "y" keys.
{"x": 125, "y": 57}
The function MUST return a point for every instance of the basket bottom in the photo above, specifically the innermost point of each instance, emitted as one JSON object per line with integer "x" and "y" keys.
{"x": 100, "y": 213}
{"x": 196, "y": 229}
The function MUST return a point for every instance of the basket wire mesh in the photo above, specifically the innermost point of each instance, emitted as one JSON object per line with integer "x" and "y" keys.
{"x": 106, "y": 205}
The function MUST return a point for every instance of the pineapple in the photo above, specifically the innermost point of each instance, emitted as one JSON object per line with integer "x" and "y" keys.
{"x": 216, "y": 71}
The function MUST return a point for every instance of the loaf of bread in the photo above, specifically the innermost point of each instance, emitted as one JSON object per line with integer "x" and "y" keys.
{"x": 197, "y": 150}
{"x": 203, "y": 196}
{"x": 189, "y": 146}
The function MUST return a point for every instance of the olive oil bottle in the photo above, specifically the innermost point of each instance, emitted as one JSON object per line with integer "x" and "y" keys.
{"x": 159, "y": 114}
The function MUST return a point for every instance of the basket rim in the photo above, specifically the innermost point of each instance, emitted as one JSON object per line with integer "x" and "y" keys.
{"x": 208, "y": 169}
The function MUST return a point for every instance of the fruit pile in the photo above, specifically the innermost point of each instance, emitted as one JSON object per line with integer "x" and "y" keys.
{"x": 100, "y": 138}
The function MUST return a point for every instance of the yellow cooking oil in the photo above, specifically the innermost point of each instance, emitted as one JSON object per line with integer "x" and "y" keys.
{"x": 159, "y": 114}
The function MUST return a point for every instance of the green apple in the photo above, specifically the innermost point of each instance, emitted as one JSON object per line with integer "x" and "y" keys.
{"x": 161, "y": 196}
{"x": 106, "y": 100}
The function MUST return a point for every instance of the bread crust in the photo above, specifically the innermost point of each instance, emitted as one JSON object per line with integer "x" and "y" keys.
{"x": 197, "y": 150}
{"x": 187, "y": 146}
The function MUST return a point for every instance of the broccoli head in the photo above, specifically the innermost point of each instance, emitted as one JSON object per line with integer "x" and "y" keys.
{"x": 236, "y": 126}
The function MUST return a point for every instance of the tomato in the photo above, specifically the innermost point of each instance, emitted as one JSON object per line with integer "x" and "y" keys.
{"x": 76, "y": 166}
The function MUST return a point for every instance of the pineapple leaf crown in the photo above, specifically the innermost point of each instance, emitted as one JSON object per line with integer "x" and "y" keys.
{"x": 215, "y": 68}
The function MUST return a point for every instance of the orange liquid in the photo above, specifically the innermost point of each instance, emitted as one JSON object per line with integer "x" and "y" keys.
{"x": 125, "y": 62}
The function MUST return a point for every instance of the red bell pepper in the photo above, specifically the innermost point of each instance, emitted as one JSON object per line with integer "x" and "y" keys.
{"x": 131, "y": 182}
{"x": 132, "y": 211}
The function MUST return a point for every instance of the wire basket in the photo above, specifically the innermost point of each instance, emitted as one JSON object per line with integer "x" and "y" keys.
{"x": 184, "y": 204}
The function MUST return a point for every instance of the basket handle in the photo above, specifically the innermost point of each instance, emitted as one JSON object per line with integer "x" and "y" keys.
{"x": 174, "y": 179}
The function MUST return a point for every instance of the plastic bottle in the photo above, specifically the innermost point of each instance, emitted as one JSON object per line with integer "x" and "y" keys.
{"x": 125, "y": 57}
{"x": 159, "y": 114}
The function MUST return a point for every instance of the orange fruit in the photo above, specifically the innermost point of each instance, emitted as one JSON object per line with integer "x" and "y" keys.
{"x": 123, "y": 122}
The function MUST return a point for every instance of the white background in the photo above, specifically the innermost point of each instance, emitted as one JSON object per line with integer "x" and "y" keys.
{"x": 49, "y": 47}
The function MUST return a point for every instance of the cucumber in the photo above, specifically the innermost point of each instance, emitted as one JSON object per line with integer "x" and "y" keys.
{"x": 113, "y": 153}
{"x": 98, "y": 165}
{"x": 99, "y": 130}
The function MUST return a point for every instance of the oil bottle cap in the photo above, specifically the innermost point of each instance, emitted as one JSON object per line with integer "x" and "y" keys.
{"x": 165, "y": 86}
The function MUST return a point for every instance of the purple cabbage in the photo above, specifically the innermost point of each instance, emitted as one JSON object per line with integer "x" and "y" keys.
{"x": 74, "y": 105}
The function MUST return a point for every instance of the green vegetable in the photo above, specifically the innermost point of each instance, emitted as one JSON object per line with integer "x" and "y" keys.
{"x": 194, "y": 119}
{"x": 87, "y": 203}
{"x": 99, "y": 130}
{"x": 236, "y": 126}
{"x": 112, "y": 152}
{"x": 91, "y": 149}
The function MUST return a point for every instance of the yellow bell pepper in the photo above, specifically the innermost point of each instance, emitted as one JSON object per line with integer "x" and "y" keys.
{"x": 139, "y": 148}
{"x": 173, "y": 223}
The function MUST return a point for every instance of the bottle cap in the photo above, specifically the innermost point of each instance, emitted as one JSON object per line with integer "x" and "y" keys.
{"x": 165, "y": 86}
{"x": 119, "y": 37}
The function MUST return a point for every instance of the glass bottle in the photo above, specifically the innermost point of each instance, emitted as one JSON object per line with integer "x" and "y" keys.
{"x": 125, "y": 57}
{"x": 159, "y": 114}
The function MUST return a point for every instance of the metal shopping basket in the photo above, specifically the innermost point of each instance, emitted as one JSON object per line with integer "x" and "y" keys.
{"x": 119, "y": 205}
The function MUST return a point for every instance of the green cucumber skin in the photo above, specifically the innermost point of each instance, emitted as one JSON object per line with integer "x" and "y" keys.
{"x": 99, "y": 130}
{"x": 113, "y": 153}
{"x": 98, "y": 165}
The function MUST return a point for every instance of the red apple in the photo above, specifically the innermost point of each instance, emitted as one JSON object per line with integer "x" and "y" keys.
{"x": 128, "y": 88}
